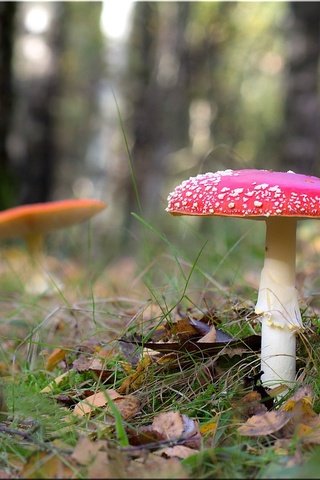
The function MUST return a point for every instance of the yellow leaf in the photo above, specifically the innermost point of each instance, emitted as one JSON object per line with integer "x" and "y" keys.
{"x": 209, "y": 428}
{"x": 54, "y": 358}
{"x": 136, "y": 379}
{"x": 55, "y": 382}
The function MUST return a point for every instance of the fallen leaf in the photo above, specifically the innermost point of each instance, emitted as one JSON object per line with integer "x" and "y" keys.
{"x": 250, "y": 405}
{"x": 128, "y": 405}
{"x": 178, "y": 451}
{"x": 211, "y": 336}
{"x": 49, "y": 388}
{"x": 54, "y": 358}
{"x": 100, "y": 467}
{"x": 245, "y": 345}
{"x": 46, "y": 465}
{"x": 144, "y": 435}
{"x": 86, "y": 450}
{"x": 91, "y": 403}
{"x": 294, "y": 413}
{"x": 136, "y": 379}
{"x": 155, "y": 466}
{"x": 168, "y": 426}
{"x": 94, "y": 365}
{"x": 209, "y": 428}
{"x": 300, "y": 405}
{"x": 265, "y": 424}
{"x": 182, "y": 329}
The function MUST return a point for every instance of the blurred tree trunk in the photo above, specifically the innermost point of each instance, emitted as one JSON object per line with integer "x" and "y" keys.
{"x": 7, "y": 17}
{"x": 158, "y": 79}
{"x": 38, "y": 94}
{"x": 301, "y": 146}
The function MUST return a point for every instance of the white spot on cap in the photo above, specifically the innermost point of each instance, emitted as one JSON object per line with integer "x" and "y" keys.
{"x": 256, "y": 203}
{"x": 231, "y": 205}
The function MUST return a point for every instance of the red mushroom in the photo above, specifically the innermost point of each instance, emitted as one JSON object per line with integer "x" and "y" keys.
{"x": 33, "y": 221}
{"x": 280, "y": 199}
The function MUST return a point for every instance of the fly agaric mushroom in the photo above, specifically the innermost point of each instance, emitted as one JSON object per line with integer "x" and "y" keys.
{"x": 280, "y": 199}
{"x": 33, "y": 221}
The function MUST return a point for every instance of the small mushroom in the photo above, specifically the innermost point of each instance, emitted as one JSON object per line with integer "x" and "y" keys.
{"x": 33, "y": 222}
{"x": 280, "y": 199}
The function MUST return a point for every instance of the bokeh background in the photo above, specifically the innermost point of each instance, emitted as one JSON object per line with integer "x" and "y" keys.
{"x": 121, "y": 100}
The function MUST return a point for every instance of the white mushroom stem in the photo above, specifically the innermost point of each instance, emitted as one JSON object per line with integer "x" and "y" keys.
{"x": 39, "y": 281}
{"x": 278, "y": 303}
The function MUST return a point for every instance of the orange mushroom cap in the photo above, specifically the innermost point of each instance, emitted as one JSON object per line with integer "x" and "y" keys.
{"x": 40, "y": 218}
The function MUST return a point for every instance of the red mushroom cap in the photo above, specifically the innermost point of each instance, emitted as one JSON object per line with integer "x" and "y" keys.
{"x": 44, "y": 217}
{"x": 247, "y": 193}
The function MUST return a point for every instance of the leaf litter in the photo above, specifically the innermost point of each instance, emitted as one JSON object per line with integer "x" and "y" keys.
{"x": 86, "y": 376}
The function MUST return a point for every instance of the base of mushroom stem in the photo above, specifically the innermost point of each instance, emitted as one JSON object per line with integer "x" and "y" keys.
{"x": 278, "y": 356}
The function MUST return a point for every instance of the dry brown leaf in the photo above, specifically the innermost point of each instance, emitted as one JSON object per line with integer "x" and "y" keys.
{"x": 167, "y": 426}
{"x": 54, "y": 358}
{"x": 108, "y": 464}
{"x": 211, "y": 336}
{"x": 294, "y": 413}
{"x": 265, "y": 424}
{"x": 174, "y": 425}
{"x": 95, "y": 365}
{"x": 170, "y": 424}
{"x": 178, "y": 451}
{"x": 91, "y": 403}
{"x": 182, "y": 329}
{"x": 86, "y": 450}
{"x": 155, "y": 466}
{"x": 144, "y": 435}
{"x": 46, "y": 465}
{"x": 250, "y": 405}
{"x": 100, "y": 467}
{"x": 231, "y": 348}
{"x": 128, "y": 405}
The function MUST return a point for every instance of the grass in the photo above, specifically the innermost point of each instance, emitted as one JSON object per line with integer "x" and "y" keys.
{"x": 193, "y": 272}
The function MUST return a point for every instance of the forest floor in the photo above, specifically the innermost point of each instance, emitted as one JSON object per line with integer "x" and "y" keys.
{"x": 106, "y": 379}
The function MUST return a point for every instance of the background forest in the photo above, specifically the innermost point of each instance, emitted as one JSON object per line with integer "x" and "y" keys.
{"x": 120, "y": 101}
{"x": 183, "y": 86}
